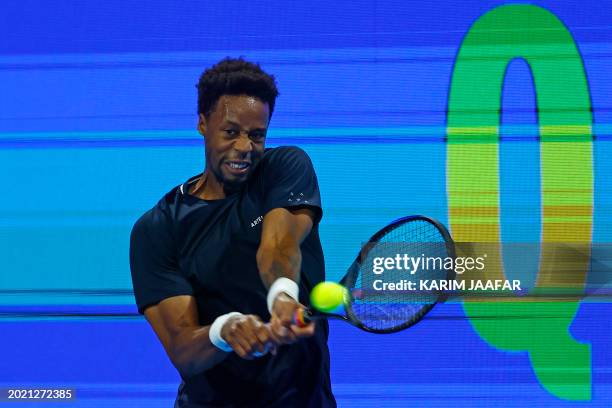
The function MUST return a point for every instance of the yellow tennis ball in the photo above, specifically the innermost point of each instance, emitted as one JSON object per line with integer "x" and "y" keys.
{"x": 328, "y": 296}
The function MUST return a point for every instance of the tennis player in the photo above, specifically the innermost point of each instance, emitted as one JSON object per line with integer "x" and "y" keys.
{"x": 222, "y": 261}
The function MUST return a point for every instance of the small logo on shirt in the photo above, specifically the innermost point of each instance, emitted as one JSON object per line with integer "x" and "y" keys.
{"x": 256, "y": 221}
{"x": 295, "y": 197}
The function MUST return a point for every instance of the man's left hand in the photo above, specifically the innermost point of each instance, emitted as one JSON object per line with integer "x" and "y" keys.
{"x": 282, "y": 320}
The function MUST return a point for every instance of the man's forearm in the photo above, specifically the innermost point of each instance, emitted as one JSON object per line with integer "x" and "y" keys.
{"x": 282, "y": 260}
{"x": 192, "y": 352}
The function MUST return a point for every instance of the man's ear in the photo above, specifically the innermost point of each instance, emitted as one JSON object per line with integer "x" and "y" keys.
{"x": 202, "y": 124}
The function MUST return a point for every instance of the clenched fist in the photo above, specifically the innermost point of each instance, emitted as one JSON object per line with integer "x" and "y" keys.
{"x": 249, "y": 336}
{"x": 282, "y": 320}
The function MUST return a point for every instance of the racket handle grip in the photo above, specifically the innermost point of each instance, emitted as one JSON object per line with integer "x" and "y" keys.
{"x": 301, "y": 317}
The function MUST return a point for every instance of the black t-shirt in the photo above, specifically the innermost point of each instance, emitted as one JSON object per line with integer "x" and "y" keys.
{"x": 206, "y": 248}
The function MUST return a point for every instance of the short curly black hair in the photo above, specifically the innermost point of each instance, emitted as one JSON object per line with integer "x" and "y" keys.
{"x": 235, "y": 76}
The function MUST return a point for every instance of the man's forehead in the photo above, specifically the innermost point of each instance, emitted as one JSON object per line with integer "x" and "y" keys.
{"x": 235, "y": 106}
{"x": 239, "y": 100}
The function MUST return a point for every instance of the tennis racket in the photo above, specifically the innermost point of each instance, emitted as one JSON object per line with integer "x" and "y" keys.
{"x": 387, "y": 302}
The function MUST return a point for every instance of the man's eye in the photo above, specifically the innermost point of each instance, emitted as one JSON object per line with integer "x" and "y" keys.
{"x": 258, "y": 135}
{"x": 231, "y": 132}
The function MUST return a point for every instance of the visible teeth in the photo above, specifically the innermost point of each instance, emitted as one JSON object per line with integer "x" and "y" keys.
{"x": 238, "y": 165}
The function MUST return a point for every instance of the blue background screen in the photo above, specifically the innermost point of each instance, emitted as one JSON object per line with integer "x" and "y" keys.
{"x": 98, "y": 121}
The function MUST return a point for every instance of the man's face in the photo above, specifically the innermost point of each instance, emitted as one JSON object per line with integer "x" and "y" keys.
{"x": 235, "y": 135}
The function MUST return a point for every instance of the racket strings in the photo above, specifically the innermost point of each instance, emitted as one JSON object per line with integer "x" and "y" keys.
{"x": 412, "y": 252}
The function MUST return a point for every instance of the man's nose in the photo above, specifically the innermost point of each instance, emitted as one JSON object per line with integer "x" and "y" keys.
{"x": 244, "y": 144}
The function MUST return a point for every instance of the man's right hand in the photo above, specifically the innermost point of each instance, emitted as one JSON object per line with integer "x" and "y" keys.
{"x": 248, "y": 336}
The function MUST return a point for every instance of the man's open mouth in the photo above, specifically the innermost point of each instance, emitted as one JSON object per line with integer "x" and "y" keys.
{"x": 238, "y": 167}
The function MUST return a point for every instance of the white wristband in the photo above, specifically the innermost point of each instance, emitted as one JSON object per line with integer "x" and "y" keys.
{"x": 214, "y": 333}
{"x": 285, "y": 285}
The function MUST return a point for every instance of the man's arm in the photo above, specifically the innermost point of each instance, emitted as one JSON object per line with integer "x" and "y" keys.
{"x": 279, "y": 256}
{"x": 175, "y": 321}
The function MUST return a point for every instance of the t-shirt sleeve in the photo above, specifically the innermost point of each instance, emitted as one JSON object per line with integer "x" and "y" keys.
{"x": 290, "y": 181}
{"x": 154, "y": 262}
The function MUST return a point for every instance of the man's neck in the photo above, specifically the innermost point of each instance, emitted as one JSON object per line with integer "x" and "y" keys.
{"x": 209, "y": 188}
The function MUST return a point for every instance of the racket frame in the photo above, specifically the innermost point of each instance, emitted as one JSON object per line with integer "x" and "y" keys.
{"x": 350, "y": 278}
